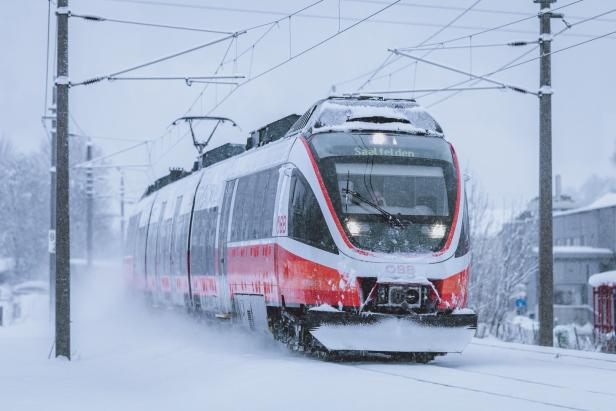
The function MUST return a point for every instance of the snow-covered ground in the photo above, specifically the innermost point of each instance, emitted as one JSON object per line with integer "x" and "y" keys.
{"x": 129, "y": 358}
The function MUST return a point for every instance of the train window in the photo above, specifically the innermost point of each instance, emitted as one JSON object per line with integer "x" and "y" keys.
{"x": 253, "y": 210}
{"x": 202, "y": 243}
{"x": 181, "y": 267}
{"x": 306, "y": 221}
{"x": 175, "y": 238}
{"x": 464, "y": 244}
{"x": 160, "y": 240}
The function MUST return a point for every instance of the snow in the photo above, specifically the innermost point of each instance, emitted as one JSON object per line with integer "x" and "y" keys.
{"x": 363, "y": 125}
{"x": 129, "y": 358}
{"x": 463, "y": 311}
{"x": 605, "y": 278}
{"x": 6, "y": 264}
{"x": 579, "y": 249}
{"x": 325, "y": 307}
{"x": 393, "y": 335}
{"x": 338, "y": 115}
{"x": 608, "y": 200}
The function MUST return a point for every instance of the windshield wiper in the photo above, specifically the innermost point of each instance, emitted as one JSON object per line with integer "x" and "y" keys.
{"x": 392, "y": 219}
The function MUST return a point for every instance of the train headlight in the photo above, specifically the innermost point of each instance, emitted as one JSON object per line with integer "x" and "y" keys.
{"x": 378, "y": 138}
{"x": 435, "y": 231}
{"x": 354, "y": 227}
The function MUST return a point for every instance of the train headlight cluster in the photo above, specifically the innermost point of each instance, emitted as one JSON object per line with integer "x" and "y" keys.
{"x": 434, "y": 231}
{"x": 354, "y": 227}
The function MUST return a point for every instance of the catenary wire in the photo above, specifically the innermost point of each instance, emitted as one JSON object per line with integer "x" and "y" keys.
{"x": 475, "y": 10}
{"x": 483, "y": 31}
{"x": 327, "y": 39}
{"x": 506, "y": 66}
{"x": 425, "y": 41}
{"x": 144, "y": 23}
{"x": 155, "y": 61}
{"x": 495, "y": 28}
{"x": 322, "y": 17}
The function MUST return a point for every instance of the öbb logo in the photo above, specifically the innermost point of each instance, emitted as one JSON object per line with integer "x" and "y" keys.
{"x": 402, "y": 269}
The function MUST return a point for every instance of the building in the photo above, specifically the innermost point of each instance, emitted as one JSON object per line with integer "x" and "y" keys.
{"x": 584, "y": 244}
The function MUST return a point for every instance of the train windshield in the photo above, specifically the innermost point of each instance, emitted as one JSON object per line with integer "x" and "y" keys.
{"x": 393, "y": 193}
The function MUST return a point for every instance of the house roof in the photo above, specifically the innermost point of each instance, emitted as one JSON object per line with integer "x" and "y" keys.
{"x": 607, "y": 200}
{"x": 605, "y": 278}
{"x": 579, "y": 251}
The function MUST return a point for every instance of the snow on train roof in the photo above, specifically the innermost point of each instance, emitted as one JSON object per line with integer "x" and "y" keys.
{"x": 342, "y": 114}
{"x": 606, "y": 278}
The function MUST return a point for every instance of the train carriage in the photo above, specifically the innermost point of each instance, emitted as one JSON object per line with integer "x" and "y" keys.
{"x": 349, "y": 233}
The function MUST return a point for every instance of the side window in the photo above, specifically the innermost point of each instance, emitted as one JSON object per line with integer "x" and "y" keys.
{"x": 160, "y": 240}
{"x": 175, "y": 238}
{"x": 464, "y": 244}
{"x": 253, "y": 209}
{"x": 306, "y": 221}
{"x": 202, "y": 242}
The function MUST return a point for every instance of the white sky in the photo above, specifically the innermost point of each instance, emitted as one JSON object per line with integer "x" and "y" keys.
{"x": 494, "y": 132}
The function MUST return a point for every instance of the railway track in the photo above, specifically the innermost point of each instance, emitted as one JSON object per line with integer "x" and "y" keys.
{"x": 466, "y": 388}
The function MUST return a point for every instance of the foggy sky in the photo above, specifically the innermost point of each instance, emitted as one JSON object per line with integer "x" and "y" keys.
{"x": 495, "y": 133}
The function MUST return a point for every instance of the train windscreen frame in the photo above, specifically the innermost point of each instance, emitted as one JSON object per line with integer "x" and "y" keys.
{"x": 392, "y": 192}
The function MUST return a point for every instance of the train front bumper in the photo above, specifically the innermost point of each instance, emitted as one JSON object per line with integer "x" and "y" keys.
{"x": 373, "y": 332}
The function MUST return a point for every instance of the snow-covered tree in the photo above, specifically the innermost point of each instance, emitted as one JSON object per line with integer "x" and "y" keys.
{"x": 502, "y": 258}
{"x": 24, "y": 207}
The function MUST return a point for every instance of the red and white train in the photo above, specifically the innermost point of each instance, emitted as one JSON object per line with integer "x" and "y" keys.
{"x": 347, "y": 232}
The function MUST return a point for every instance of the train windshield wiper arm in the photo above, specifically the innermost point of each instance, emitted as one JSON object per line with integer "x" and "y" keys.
{"x": 392, "y": 219}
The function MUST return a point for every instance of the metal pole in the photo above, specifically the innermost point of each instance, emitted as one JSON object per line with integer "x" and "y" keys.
{"x": 546, "y": 281}
{"x": 122, "y": 210}
{"x": 89, "y": 201}
{"x": 63, "y": 254}
{"x": 52, "y": 210}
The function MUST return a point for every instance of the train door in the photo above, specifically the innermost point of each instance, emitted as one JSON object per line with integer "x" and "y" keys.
{"x": 223, "y": 238}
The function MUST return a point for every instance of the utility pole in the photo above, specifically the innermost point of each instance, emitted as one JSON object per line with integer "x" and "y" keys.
{"x": 89, "y": 201}
{"x": 546, "y": 263}
{"x": 52, "y": 208}
{"x": 63, "y": 252}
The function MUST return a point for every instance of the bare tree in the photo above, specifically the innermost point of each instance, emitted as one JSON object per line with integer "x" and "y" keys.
{"x": 502, "y": 258}
{"x": 24, "y": 208}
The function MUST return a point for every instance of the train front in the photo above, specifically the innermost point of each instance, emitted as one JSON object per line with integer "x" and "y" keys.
{"x": 393, "y": 187}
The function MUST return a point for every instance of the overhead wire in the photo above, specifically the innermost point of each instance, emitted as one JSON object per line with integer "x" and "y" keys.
{"x": 473, "y": 46}
{"x": 581, "y": 43}
{"x": 475, "y": 10}
{"x": 473, "y": 76}
{"x": 419, "y": 23}
{"x": 430, "y": 37}
{"x": 482, "y": 31}
{"x": 327, "y": 39}
{"x": 495, "y": 28}
{"x": 515, "y": 60}
{"x": 155, "y": 61}
{"x": 144, "y": 23}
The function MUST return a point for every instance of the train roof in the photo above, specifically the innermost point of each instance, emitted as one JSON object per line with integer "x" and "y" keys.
{"x": 366, "y": 113}
{"x": 335, "y": 113}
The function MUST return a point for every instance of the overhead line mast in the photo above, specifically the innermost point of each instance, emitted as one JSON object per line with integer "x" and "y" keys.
{"x": 63, "y": 252}
{"x": 546, "y": 263}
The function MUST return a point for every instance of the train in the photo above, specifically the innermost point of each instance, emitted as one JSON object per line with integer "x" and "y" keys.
{"x": 341, "y": 231}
